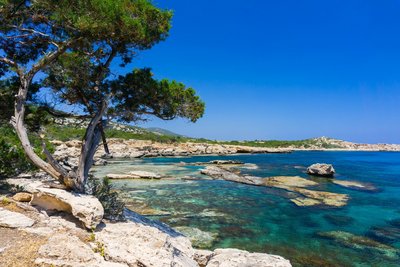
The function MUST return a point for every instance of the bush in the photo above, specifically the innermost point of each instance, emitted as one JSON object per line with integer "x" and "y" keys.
{"x": 112, "y": 204}
{"x": 13, "y": 160}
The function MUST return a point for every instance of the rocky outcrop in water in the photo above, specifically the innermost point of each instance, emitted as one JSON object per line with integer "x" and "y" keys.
{"x": 321, "y": 169}
{"x": 307, "y": 197}
{"x": 361, "y": 243}
{"x": 135, "y": 175}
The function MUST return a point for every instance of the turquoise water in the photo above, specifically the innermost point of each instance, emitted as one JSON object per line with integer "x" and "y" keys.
{"x": 262, "y": 219}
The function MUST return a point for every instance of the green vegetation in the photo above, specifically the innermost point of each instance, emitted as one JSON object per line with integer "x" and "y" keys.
{"x": 112, "y": 204}
{"x": 306, "y": 143}
{"x": 13, "y": 160}
{"x": 73, "y": 45}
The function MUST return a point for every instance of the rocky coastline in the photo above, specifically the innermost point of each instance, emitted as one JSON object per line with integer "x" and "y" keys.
{"x": 60, "y": 228}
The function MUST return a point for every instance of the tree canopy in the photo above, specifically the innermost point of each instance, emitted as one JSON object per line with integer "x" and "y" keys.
{"x": 73, "y": 43}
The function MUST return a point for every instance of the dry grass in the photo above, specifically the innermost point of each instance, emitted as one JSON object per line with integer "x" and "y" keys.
{"x": 21, "y": 247}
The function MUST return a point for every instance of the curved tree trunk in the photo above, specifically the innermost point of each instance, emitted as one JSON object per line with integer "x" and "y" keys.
{"x": 89, "y": 145}
{"x": 18, "y": 122}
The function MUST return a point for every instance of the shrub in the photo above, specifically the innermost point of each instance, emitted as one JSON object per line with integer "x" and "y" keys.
{"x": 112, "y": 204}
{"x": 13, "y": 160}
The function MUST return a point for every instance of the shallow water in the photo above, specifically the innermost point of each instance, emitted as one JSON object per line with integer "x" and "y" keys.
{"x": 264, "y": 219}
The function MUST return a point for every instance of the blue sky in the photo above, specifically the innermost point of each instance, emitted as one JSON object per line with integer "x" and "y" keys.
{"x": 285, "y": 69}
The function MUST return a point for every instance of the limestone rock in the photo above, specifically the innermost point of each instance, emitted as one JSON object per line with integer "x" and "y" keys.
{"x": 202, "y": 257}
{"x": 68, "y": 250}
{"x": 87, "y": 209}
{"x": 22, "y": 197}
{"x": 355, "y": 185}
{"x": 321, "y": 169}
{"x": 12, "y": 219}
{"x": 223, "y": 162}
{"x": 145, "y": 243}
{"x": 220, "y": 173}
{"x": 288, "y": 181}
{"x": 241, "y": 258}
{"x": 135, "y": 175}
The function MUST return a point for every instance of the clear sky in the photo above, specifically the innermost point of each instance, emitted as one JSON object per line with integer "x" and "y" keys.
{"x": 285, "y": 69}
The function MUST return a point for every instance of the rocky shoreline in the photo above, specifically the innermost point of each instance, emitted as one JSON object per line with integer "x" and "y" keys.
{"x": 58, "y": 236}
{"x": 69, "y": 151}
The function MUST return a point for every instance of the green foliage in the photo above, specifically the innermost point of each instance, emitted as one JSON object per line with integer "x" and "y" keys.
{"x": 64, "y": 133}
{"x": 8, "y": 90}
{"x": 12, "y": 158}
{"x": 113, "y": 206}
{"x": 138, "y": 94}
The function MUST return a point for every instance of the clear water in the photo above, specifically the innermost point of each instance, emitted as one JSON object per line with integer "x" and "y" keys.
{"x": 262, "y": 219}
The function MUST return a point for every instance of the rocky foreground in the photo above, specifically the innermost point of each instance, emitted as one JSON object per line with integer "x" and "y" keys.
{"x": 51, "y": 227}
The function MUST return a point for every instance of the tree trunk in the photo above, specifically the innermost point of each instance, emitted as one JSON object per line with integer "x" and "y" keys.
{"x": 89, "y": 145}
{"x": 18, "y": 122}
{"x": 104, "y": 139}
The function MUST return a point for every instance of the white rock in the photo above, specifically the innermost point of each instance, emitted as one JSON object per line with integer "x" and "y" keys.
{"x": 68, "y": 250}
{"x": 86, "y": 208}
{"x": 239, "y": 258}
{"x": 141, "y": 242}
{"x": 321, "y": 169}
{"x": 134, "y": 175}
{"x": 12, "y": 219}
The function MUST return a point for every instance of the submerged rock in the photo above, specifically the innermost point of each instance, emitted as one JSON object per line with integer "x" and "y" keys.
{"x": 290, "y": 183}
{"x": 338, "y": 220}
{"x": 226, "y": 162}
{"x": 305, "y": 202}
{"x": 361, "y": 242}
{"x": 285, "y": 182}
{"x": 386, "y": 234}
{"x": 325, "y": 198}
{"x": 199, "y": 238}
{"x": 135, "y": 175}
{"x": 355, "y": 185}
{"x": 321, "y": 169}
{"x": 310, "y": 197}
{"x": 220, "y": 173}
{"x": 12, "y": 219}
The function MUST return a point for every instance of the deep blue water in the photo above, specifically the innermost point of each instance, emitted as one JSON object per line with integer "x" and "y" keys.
{"x": 264, "y": 219}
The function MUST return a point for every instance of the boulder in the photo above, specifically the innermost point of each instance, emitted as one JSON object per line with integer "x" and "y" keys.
{"x": 321, "y": 169}
{"x": 86, "y": 208}
{"x": 12, "y": 219}
{"x": 22, "y": 197}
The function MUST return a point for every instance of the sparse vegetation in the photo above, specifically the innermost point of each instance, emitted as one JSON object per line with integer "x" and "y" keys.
{"x": 112, "y": 204}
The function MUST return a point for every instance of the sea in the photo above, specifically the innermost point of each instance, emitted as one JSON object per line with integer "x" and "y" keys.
{"x": 223, "y": 214}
